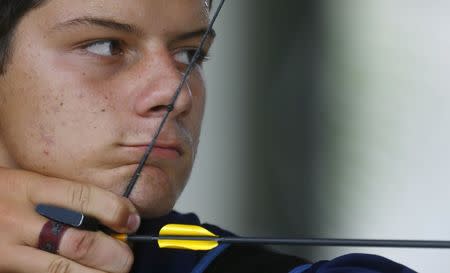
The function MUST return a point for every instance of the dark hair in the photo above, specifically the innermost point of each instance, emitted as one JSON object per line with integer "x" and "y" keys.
{"x": 11, "y": 11}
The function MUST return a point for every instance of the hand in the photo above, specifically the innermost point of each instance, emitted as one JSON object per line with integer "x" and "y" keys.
{"x": 79, "y": 251}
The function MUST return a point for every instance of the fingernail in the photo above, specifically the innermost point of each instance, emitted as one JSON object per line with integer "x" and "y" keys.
{"x": 134, "y": 220}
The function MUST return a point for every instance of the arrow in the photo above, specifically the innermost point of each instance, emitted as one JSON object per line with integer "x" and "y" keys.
{"x": 198, "y": 238}
{"x": 193, "y": 237}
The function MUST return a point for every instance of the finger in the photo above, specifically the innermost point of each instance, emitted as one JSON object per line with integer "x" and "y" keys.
{"x": 23, "y": 259}
{"x": 113, "y": 211}
{"x": 96, "y": 250}
{"x": 92, "y": 249}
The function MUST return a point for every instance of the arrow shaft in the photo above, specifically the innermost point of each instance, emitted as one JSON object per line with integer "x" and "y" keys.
{"x": 344, "y": 242}
{"x": 300, "y": 241}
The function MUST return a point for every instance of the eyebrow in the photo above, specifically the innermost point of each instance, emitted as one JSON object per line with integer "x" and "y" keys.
{"x": 106, "y": 23}
{"x": 127, "y": 28}
{"x": 196, "y": 33}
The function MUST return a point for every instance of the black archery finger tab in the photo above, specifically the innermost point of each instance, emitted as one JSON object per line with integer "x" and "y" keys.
{"x": 68, "y": 217}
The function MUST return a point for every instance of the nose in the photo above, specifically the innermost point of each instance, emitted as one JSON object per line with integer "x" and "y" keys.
{"x": 161, "y": 83}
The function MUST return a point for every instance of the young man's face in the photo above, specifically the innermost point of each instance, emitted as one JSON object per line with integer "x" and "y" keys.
{"x": 87, "y": 85}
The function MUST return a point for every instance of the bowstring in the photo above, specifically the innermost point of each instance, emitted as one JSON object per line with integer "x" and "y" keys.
{"x": 170, "y": 107}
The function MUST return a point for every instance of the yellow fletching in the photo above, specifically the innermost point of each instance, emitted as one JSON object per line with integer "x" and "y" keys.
{"x": 186, "y": 230}
{"x": 188, "y": 245}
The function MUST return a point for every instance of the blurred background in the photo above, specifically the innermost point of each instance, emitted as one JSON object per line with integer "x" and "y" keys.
{"x": 329, "y": 119}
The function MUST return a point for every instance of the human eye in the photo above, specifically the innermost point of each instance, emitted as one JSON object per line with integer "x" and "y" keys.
{"x": 185, "y": 56}
{"x": 104, "y": 48}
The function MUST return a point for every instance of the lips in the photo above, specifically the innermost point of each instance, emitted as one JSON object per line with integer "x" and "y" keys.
{"x": 161, "y": 150}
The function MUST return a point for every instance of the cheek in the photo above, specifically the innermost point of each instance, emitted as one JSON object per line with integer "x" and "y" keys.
{"x": 43, "y": 122}
{"x": 198, "y": 89}
{"x": 24, "y": 125}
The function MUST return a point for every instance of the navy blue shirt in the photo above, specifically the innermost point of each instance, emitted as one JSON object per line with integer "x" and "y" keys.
{"x": 151, "y": 259}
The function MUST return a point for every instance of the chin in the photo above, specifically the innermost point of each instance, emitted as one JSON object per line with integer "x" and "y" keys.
{"x": 153, "y": 209}
{"x": 155, "y": 201}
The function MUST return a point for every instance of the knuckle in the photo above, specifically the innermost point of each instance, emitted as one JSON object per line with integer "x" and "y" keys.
{"x": 80, "y": 196}
{"x": 82, "y": 245}
{"x": 119, "y": 210}
{"x": 59, "y": 265}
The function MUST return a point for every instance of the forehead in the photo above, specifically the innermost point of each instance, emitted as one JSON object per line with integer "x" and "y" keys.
{"x": 151, "y": 15}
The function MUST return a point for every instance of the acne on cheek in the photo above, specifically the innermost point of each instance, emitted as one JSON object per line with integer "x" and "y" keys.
{"x": 46, "y": 138}
{"x": 102, "y": 104}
